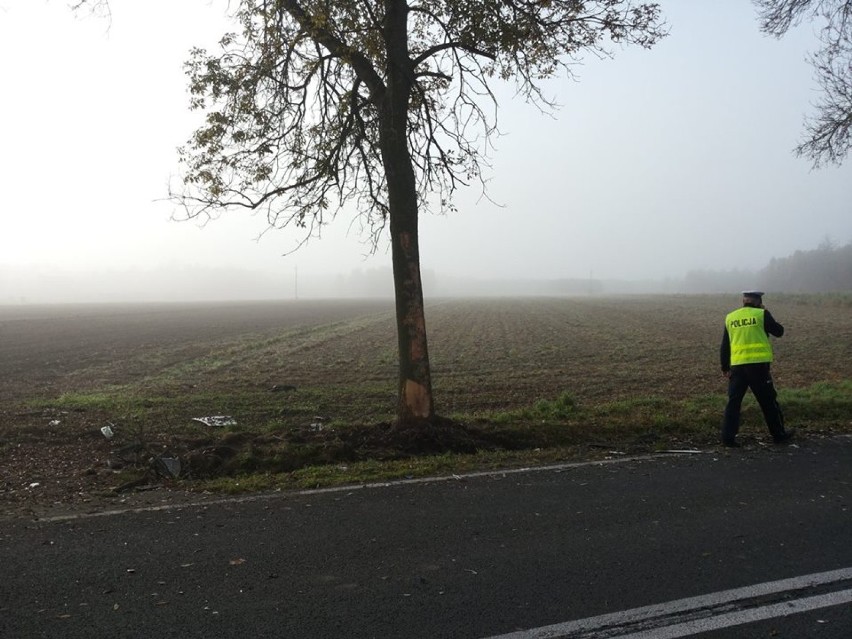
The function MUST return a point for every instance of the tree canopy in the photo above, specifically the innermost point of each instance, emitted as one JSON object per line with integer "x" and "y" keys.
{"x": 294, "y": 100}
{"x": 827, "y": 133}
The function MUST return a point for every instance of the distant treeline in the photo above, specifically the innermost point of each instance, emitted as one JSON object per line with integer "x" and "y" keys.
{"x": 826, "y": 269}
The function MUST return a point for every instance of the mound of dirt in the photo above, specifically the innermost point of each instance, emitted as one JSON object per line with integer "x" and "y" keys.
{"x": 317, "y": 444}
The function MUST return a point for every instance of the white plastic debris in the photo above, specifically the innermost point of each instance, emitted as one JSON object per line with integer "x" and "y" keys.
{"x": 107, "y": 431}
{"x": 54, "y": 422}
{"x": 217, "y": 421}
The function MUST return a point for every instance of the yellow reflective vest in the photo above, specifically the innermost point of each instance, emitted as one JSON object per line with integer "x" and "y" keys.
{"x": 749, "y": 341}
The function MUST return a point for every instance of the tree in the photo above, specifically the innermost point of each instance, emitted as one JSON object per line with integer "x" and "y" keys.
{"x": 826, "y": 269}
{"x": 385, "y": 104}
{"x": 827, "y": 133}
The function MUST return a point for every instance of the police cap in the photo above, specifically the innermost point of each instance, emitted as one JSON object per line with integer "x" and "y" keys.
{"x": 755, "y": 294}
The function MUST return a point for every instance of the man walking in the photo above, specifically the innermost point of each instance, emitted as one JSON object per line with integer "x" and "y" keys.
{"x": 745, "y": 355}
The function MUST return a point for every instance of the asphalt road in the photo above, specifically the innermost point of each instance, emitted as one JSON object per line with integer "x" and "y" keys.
{"x": 472, "y": 557}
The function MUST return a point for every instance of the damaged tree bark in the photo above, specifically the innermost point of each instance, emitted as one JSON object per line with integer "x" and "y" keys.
{"x": 415, "y": 382}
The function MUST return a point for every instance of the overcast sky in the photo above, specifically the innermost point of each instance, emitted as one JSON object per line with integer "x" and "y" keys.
{"x": 659, "y": 162}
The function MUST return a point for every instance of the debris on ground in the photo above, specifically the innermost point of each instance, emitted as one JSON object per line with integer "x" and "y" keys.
{"x": 167, "y": 466}
{"x": 216, "y": 421}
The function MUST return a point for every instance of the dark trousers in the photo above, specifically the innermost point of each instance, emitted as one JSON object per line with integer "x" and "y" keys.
{"x": 757, "y": 378}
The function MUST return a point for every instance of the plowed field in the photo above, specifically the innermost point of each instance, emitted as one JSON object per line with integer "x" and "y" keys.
{"x": 487, "y": 355}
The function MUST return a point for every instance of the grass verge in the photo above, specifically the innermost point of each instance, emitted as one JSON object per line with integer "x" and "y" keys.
{"x": 282, "y": 440}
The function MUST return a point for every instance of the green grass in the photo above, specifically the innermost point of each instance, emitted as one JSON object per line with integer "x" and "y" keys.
{"x": 373, "y": 471}
{"x": 825, "y": 403}
{"x": 822, "y": 405}
{"x": 279, "y": 443}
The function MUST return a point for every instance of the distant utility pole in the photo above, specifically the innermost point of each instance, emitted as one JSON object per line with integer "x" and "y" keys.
{"x": 296, "y": 282}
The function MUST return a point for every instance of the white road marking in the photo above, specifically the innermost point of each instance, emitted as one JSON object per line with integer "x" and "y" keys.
{"x": 773, "y": 611}
{"x": 709, "y": 612}
{"x": 281, "y": 494}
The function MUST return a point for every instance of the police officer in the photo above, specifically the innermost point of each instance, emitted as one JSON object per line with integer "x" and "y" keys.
{"x": 745, "y": 356}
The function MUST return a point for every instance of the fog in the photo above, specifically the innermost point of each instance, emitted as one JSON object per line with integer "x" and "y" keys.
{"x": 659, "y": 163}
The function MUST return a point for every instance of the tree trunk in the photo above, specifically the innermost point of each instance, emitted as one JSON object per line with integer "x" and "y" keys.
{"x": 415, "y": 379}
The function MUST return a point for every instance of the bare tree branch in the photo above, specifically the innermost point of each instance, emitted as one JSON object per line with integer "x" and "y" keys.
{"x": 828, "y": 133}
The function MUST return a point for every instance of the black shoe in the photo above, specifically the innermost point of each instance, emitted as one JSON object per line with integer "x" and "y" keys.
{"x": 786, "y": 437}
{"x": 731, "y": 443}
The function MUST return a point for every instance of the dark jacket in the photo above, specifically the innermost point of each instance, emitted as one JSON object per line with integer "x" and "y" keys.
{"x": 769, "y": 325}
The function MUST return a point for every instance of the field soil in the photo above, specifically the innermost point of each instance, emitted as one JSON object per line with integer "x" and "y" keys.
{"x": 487, "y": 355}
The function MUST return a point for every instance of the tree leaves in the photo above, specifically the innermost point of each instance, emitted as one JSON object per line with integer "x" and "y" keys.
{"x": 295, "y": 99}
